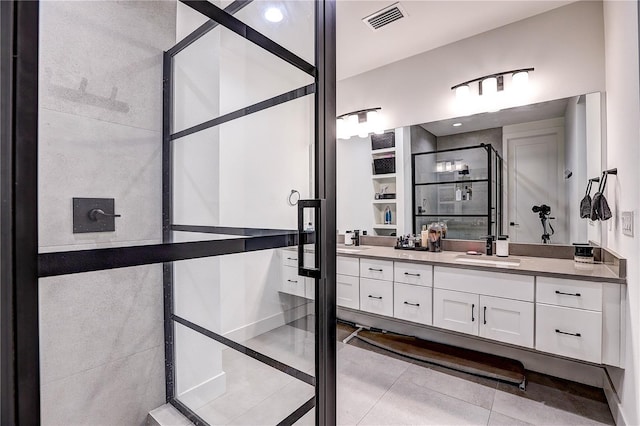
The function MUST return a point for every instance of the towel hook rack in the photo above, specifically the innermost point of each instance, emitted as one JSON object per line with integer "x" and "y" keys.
{"x": 291, "y": 197}
{"x": 595, "y": 179}
{"x": 610, "y": 172}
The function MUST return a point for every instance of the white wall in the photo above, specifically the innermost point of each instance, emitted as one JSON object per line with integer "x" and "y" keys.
{"x": 355, "y": 187}
{"x": 565, "y": 46}
{"x": 101, "y": 333}
{"x": 575, "y": 160}
{"x": 623, "y": 194}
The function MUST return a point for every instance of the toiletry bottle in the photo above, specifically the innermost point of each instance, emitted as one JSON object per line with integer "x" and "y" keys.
{"x": 489, "y": 245}
{"x": 468, "y": 193}
{"x": 424, "y": 236}
{"x": 458, "y": 194}
{"x": 387, "y": 215}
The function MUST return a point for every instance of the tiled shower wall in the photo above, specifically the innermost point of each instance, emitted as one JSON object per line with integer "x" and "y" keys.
{"x": 101, "y": 340}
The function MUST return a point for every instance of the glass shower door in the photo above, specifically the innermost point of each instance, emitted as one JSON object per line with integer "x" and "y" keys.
{"x": 241, "y": 157}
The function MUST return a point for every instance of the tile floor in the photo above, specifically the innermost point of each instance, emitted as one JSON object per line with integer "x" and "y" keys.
{"x": 377, "y": 388}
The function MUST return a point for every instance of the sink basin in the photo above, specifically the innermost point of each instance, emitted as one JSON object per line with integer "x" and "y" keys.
{"x": 489, "y": 261}
{"x": 348, "y": 250}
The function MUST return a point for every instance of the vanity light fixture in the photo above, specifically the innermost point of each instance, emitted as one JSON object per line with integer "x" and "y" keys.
{"x": 360, "y": 123}
{"x": 490, "y": 85}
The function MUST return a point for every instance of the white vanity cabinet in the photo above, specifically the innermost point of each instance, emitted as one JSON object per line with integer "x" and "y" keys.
{"x": 348, "y": 282}
{"x": 494, "y": 305}
{"x": 569, "y": 318}
{"x": 412, "y": 292}
{"x": 292, "y": 283}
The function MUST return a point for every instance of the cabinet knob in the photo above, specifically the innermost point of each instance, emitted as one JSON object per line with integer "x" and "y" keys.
{"x": 412, "y": 304}
{"x": 567, "y": 294}
{"x": 375, "y": 297}
{"x": 568, "y": 334}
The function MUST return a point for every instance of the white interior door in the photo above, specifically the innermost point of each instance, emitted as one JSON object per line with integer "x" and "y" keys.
{"x": 534, "y": 178}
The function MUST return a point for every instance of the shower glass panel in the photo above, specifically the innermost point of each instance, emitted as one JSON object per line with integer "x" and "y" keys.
{"x": 215, "y": 156}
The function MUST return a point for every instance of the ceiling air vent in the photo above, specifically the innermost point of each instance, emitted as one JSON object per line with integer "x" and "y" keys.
{"x": 385, "y": 16}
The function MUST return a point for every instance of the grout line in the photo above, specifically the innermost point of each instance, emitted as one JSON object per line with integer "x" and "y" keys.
{"x": 111, "y": 361}
{"x": 159, "y": 131}
{"x": 381, "y": 396}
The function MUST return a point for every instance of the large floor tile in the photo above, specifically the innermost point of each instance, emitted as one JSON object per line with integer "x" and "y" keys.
{"x": 409, "y": 404}
{"x": 536, "y": 412}
{"x": 89, "y": 319}
{"x": 456, "y": 387}
{"x": 278, "y": 406}
{"x": 117, "y": 393}
{"x": 497, "y": 419}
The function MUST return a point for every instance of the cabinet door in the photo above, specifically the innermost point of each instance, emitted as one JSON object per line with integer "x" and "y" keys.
{"x": 348, "y": 266}
{"x": 376, "y": 296}
{"x": 412, "y": 303}
{"x": 456, "y": 311}
{"x": 376, "y": 269}
{"x": 505, "y": 320}
{"x": 576, "y": 333}
{"x": 348, "y": 291}
{"x": 292, "y": 283}
{"x": 412, "y": 273}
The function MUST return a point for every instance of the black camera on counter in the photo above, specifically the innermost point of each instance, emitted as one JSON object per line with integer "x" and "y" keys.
{"x": 543, "y": 210}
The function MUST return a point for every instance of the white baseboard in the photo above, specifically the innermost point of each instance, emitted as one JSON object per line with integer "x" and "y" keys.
{"x": 256, "y": 328}
{"x": 614, "y": 402}
{"x": 200, "y": 395}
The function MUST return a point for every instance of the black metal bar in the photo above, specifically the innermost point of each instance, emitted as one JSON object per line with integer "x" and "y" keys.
{"x": 452, "y": 182}
{"x": 167, "y": 213}
{"x": 20, "y": 372}
{"x": 567, "y": 294}
{"x": 276, "y": 100}
{"x": 302, "y": 269}
{"x": 325, "y": 188}
{"x": 73, "y": 262}
{"x": 273, "y": 363}
{"x": 449, "y": 150}
{"x": 230, "y": 22}
{"x": 489, "y": 192}
{"x": 205, "y": 28}
{"x": 227, "y": 230}
{"x": 188, "y": 413}
{"x": 7, "y": 343}
{"x": 300, "y": 411}
{"x": 449, "y": 215}
{"x": 413, "y": 196}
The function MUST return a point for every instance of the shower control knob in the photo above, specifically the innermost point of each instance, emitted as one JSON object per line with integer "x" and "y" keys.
{"x": 513, "y": 224}
{"x": 95, "y": 214}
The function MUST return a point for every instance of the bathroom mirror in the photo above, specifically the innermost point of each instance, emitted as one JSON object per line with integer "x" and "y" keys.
{"x": 550, "y": 150}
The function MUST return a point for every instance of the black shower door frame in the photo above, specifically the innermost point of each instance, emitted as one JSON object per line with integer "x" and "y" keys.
{"x": 21, "y": 265}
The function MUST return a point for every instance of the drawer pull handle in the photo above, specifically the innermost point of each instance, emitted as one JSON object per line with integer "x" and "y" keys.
{"x": 292, "y": 281}
{"x": 374, "y": 269}
{"x": 413, "y": 275}
{"x": 485, "y": 314}
{"x": 291, "y": 258}
{"x": 473, "y": 306}
{"x": 568, "y": 334}
{"x": 567, "y": 294}
{"x": 412, "y": 304}
{"x": 376, "y": 297}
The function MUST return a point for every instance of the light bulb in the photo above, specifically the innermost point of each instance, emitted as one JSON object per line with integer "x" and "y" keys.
{"x": 273, "y": 14}
{"x": 520, "y": 79}
{"x": 374, "y": 120}
{"x": 341, "y": 127}
{"x": 462, "y": 92}
{"x": 489, "y": 86}
{"x": 352, "y": 125}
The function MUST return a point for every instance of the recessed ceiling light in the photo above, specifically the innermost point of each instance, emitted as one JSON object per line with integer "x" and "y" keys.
{"x": 457, "y": 124}
{"x": 273, "y": 14}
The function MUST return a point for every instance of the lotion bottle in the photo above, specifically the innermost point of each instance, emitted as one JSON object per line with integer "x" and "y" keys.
{"x": 458, "y": 194}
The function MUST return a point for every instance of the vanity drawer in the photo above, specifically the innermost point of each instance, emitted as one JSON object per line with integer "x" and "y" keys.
{"x": 569, "y": 293}
{"x": 290, "y": 258}
{"x": 376, "y": 296}
{"x": 508, "y": 286}
{"x": 412, "y": 303}
{"x": 348, "y": 266}
{"x": 412, "y": 273}
{"x": 348, "y": 291}
{"x": 376, "y": 269}
{"x": 292, "y": 283}
{"x": 574, "y": 333}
